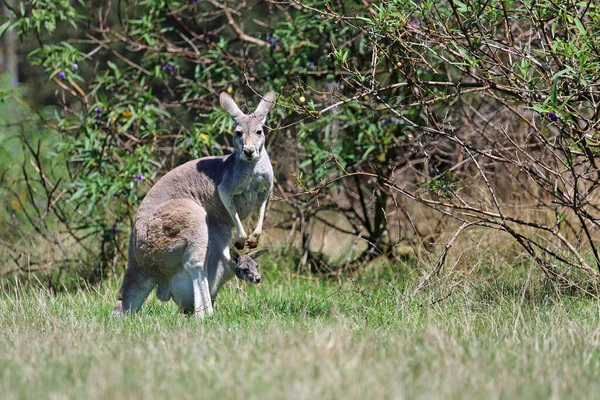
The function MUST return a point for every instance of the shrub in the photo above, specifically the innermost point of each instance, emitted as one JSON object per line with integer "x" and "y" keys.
{"x": 471, "y": 109}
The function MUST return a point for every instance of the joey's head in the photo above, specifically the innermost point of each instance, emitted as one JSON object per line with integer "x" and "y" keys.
{"x": 246, "y": 267}
{"x": 249, "y": 135}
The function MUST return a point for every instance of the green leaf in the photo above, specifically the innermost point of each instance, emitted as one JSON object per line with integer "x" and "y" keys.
{"x": 582, "y": 31}
{"x": 5, "y": 27}
{"x": 78, "y": 193}
{"x": 553, "y": 92}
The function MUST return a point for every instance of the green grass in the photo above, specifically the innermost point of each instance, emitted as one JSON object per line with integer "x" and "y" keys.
{"x": 297, "y": 338}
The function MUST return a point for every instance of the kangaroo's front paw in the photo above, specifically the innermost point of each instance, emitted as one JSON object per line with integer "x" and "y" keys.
{"x": 252, "y": 241}
{"x": 240, "y": 243}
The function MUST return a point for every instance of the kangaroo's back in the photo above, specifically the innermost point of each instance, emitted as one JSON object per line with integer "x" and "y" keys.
{"x": 196, "y": 180}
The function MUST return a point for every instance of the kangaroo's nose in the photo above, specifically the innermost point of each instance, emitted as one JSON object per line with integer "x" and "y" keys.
{"x": 248, "y": 151}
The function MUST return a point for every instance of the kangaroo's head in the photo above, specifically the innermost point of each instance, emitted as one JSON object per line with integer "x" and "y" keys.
{"x": 249, "y": 135}
{"x": 246, "y": 267}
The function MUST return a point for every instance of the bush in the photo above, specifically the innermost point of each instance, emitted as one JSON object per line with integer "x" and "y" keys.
{"x": 485, "y": 112}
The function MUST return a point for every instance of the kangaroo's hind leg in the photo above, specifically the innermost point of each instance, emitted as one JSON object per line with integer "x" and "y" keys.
{"x": 195, "y": 264}
{"x": 194, "y": 259}
{"x": 188, "y": 287}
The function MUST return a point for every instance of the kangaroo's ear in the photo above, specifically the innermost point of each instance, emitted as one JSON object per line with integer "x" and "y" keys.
{"x": 234, "y": 254}
{"x": 265, "y": 106}
{"x": 256, "y": 253}
{"x": 229, "y": 105}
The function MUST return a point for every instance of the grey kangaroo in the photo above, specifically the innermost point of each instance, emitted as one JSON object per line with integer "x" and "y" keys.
{"x": 182, "y": 234}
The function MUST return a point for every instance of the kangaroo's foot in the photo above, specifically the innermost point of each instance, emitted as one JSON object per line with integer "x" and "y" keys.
{"x": 240, "y": 242}
{"x": 252, "y": 241}
{"x": 118, "y": 310}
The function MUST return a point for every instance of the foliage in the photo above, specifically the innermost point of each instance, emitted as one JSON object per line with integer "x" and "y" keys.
{"x": 465, "y": 107}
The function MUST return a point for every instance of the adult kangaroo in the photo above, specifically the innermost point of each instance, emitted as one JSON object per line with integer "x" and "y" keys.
{"x": 181, "y": 237}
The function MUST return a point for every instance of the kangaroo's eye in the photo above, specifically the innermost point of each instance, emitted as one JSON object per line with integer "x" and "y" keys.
{"x": 239, "y": 133}
{"x": 259, "y": 132}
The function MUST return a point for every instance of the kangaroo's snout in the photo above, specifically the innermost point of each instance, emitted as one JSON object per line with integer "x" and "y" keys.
{"x": 253, "y": 278}
{"x": 249, "y": 153}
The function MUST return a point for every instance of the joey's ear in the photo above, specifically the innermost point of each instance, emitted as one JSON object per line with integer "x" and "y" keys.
{"x": 256, "y": 253}
{"x": 234, "y": 254}
{"x": 265, "y": 106}
{"x": 229, "y": 105}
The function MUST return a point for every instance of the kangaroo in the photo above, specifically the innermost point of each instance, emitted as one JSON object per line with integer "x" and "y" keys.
{"x": 182, "y": 233}
{"x": 246, "y": 266}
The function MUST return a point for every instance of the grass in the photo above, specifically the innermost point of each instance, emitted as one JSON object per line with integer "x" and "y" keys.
{"x": 298, "y": 338}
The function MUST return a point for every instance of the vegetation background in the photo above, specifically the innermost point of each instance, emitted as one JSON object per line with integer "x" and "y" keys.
{"x": 435, "y": 198}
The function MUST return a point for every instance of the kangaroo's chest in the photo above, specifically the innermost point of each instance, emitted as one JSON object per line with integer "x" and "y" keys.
{"x": 246, "y": 196}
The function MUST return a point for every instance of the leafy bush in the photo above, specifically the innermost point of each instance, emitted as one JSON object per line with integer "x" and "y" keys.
{"x": 468, "y": 108}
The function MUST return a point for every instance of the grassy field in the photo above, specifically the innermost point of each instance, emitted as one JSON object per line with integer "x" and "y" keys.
{"x": 300, "y": 338}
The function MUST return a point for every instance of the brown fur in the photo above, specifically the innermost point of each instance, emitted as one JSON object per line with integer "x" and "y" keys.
{"x": 168, "y": 225}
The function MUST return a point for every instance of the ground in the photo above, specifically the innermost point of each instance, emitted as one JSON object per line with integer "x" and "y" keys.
{"x": 300, "y": 338}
